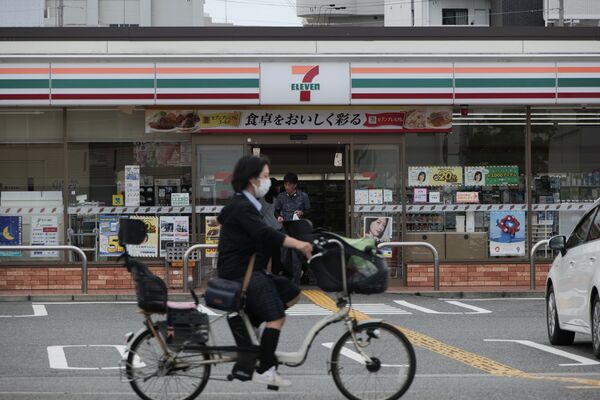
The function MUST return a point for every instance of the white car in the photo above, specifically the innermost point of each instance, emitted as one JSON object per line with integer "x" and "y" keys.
{"x": 573, "y": 284}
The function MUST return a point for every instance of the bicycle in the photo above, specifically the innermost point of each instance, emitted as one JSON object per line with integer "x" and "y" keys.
{"x": 367, "y": 353}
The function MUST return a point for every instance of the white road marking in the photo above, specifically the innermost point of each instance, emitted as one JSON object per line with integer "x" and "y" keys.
{"x": 501, "y": 299}
{"x": 379, "y": 308}
{"x": 58, "y": 359}
{"x": 358, "y": 358}
{"x": 476, "y": 310}
{"x": 306, "y": 309}
{"x": 424, "y": 309}
{"x": 38, "y": 311}
{"x": 581, "y": 361}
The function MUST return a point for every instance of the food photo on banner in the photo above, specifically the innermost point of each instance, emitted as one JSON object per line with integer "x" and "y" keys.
{"x": 149, "y": 248}
{"x": 507, "y": 233}
{"x": 213, "y": 231}
{"x": 11, "y": 229}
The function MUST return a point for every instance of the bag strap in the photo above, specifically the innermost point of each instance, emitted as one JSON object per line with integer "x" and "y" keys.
{"x": 248, "y": 274}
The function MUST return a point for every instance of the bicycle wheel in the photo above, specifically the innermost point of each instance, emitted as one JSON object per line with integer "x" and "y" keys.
{"x": 154, "y": 376}
{"x": 387, "y": 376}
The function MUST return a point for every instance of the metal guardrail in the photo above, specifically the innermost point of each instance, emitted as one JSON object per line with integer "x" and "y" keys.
{"x": 186, "y": 257}
{"x": 84, "y": 270}
{"x": 544, "y": 242}
{"x": 434, "y": 252}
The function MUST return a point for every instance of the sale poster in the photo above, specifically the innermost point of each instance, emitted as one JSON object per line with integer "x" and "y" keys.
{"x": 507, "y": 233}
{"x": 10, "y": 234}
{"x": 109, "y": 236}
{"x": 213, "y": 231}
{"x": 173, "y": 229}
{"x": 149, "y": 248}
{"x": 44, "y": 232}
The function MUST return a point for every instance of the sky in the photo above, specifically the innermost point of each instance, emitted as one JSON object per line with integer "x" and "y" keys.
{"x": 254, "y": 12}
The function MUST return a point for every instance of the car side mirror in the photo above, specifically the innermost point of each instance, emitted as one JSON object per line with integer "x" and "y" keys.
{"x": 559, "y": 243}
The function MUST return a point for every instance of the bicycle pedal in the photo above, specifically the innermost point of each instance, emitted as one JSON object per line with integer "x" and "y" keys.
{"x": 273, "y": 387}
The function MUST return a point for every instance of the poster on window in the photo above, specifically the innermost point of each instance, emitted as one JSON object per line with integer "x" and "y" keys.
{"x": 149, "y": 248}
{"x": 173, "y": 229}
{"x": 378, "y": 228}
{"x": 494, "y": 175}
{"x": 507, "y": 233}
{"x": 11, "y": 234}
{"x": 213, "y": 231}
{"x": 132, "y": 185}
{"x": 108, "y": 238}
{"x": 435, "y": 176}
{"x": 44, "y": 232}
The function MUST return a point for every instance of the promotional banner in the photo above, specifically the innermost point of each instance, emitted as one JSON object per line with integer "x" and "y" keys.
{"x": 10, "y": 234}
{"x": 109, "y": 236}
{"x": 132, "y": 185}
{"x": 213, "y": 231}
{"x": 173, "y": 229}
{"x": 402, "y": 119}
{"x": 435, "y": 176}
{"x": 44, "y": 232}
{"x": 167, "y": 154}
{"x": 150, "y": 246}
{"x": 507, "y": 233}
{"x": 495, "y": 175}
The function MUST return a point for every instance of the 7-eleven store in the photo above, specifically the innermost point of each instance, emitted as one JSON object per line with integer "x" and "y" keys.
{"x": 438, "y": 141}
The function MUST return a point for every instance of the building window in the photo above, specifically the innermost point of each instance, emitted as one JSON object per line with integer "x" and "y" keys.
{"x": 455, "y": 16}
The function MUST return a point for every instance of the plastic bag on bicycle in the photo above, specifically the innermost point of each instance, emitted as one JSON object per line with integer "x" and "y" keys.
{"x": 366, "y": 269}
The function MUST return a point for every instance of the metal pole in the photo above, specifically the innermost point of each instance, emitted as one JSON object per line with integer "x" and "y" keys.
{"x": 186, "y": 256}
{"x": 561, "y": 12}
{"x": 532, "y": 261}
{"x": 344, "y": 280}
{"x": 84, "y": 271}
{"x": 434, "y": 252}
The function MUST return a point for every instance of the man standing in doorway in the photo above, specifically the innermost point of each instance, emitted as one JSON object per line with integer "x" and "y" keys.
{"x": 290, "y": 205}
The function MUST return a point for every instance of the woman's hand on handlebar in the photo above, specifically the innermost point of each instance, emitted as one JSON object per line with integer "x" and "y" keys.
{"x": 305, "y": 248}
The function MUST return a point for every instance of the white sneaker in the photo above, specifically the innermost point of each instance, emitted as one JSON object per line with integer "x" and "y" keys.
{"x": 270, "y": 377}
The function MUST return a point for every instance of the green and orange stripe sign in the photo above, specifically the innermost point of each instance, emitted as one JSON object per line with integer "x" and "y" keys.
{"x": 202, "y": 83}
{"x": 24, "y": 84}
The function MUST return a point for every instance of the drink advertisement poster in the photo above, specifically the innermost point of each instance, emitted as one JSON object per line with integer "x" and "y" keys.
{"x": 10, "y": 234}
{"x": 150, "y": 246}
{"x": 435, "y": 176}
{"x": 494, "y": 175}
{"x": 173, "y": 229}
{"x": 213, "y": 231}
{"x": 507, "y": 233}
{"x": 109, "y": 236}
{"x": 44, "y": 232}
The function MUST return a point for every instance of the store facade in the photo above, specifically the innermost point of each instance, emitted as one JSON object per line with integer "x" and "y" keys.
{"x": 480, "y": 156}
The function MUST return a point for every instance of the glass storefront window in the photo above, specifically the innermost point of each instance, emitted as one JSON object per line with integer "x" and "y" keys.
{"x": 481, "y": 162}
{"x": 565, "y": 148}
{"x": 214, "y": 169}
{"x": 31, "y": 125}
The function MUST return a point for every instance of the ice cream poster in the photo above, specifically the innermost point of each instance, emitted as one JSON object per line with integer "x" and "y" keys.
{"x": 10, "y": 234}
{"x": 507, "y": 233}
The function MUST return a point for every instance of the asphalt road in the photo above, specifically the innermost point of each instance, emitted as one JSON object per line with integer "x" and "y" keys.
{"x": 470, "y": 349}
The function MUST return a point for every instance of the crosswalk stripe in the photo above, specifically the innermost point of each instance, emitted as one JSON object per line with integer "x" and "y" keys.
{"x": 380, "y": 308}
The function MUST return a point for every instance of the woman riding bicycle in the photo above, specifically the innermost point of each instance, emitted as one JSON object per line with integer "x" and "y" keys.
{"x": 244, "y": 233}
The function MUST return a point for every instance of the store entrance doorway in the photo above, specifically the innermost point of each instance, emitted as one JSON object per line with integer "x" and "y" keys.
{"x": 323, "y": 175}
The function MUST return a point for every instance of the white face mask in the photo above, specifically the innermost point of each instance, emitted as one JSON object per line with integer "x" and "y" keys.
{"x": 263, "y": 189}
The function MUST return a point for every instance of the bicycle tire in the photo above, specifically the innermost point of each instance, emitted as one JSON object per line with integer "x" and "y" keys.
{"x": 144, "y": 362}
{"x": 364, "y": 371}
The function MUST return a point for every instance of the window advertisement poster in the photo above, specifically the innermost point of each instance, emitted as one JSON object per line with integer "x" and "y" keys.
{"x": 173, "y": 229}
{"x": 213, "y": 231}
{"x": 434, "y": 197}
{"x": 495, "y": 175}
{"x": 420, "y": 195}
{"x": 180, "y": 199}
{"x": 435, "y": 176}
{"x": 375, "y": 196}
{"x": 44, "y": 232}
{"x": 164, "y": 154}
{"x": 378, "y": 228}
{"x": 132, "y": 185}
{"x": 109, "y": 236}
{"x": 11, "y": 234}
{"x": 361, "y": 196}
{"x": 150, "y": 246}
{"x": 467, "y": 197}
{"x": 507, "y": 233}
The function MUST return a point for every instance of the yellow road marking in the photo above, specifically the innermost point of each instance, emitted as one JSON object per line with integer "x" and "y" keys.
{"x": 471, "y": 359}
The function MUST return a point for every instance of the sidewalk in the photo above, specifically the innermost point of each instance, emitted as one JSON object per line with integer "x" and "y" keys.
{"x": 177, "y": 294}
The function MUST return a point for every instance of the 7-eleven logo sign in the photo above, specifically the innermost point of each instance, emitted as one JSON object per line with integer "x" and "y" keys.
{"x": 306, "y": 87}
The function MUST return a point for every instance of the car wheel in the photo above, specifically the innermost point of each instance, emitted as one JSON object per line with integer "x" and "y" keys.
{"x": 596, "y": 326}
{"x": 557, "y": 336}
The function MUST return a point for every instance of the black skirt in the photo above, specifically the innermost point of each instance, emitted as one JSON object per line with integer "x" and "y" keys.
{"x": 267, "y": 296}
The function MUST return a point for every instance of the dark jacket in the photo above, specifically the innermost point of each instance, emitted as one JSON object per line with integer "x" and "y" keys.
{"x": 243, "y": 233}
